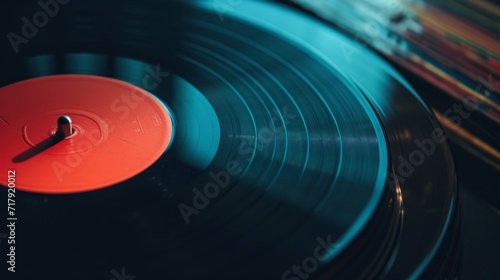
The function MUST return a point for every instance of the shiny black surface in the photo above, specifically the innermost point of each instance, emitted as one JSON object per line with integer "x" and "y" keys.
{"x": 430, "y": 210}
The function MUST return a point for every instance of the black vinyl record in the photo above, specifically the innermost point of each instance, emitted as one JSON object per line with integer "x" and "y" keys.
{"x": 297, "y": 153}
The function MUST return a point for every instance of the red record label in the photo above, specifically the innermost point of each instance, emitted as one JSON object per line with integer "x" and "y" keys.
{"x": 118, "y": 130}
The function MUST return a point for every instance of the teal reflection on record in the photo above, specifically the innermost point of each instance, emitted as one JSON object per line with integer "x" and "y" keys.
{"x": 198, "y": 128}
{"x": 281, "y": 21}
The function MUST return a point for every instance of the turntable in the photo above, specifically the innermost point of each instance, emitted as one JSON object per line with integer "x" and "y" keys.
{"x": 214, "y": 140}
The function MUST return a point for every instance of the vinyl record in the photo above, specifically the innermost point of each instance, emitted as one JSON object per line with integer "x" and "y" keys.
{"x": 279, "y": 160}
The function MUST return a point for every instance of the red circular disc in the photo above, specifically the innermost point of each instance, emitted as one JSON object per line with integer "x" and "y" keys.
{"x": 119, "y": 131}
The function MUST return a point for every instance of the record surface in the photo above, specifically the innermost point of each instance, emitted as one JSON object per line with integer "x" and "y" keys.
{"x": 286, "y": 165}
